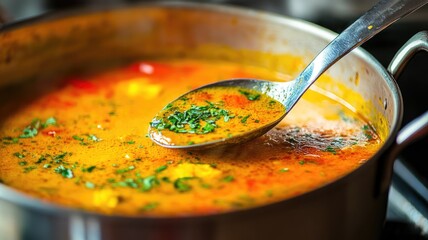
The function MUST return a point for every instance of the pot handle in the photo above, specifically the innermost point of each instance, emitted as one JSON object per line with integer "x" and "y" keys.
{"x": 417, "y": 128}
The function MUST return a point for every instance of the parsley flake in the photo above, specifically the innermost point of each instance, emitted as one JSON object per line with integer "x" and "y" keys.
{"x": 88, "y": 169}
{"x": 19, "y": 155}
{"x": 250, "y": 96}
{"x": 65, "y": 172}
{"x": 89, "y": 185}
{"x": 124, "y": 170}
{"x": 149, "y": 206}
{"x": 149, "y": 182}
{"x": 49, "y": 122}
{"x": 181, "y": 185}
{"x": 161, "y": 168}
{"x": 244, "y": 119}
{"x": 228, "y": 178}
{"x": 29, "y": 169}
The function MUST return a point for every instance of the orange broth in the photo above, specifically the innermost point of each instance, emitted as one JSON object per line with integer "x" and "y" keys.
{"x": 85, "y": 146}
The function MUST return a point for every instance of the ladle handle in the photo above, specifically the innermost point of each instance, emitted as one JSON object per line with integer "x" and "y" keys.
{"x": 380, "y": 16}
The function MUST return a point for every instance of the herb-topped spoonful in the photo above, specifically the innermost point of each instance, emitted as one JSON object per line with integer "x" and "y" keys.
{"x": 238, "y": 110}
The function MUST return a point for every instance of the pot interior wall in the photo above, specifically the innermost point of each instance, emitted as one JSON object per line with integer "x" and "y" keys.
{"x": 36, "y": 54}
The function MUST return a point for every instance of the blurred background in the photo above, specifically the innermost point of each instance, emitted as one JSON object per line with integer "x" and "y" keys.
{"x": 408, "y": 203}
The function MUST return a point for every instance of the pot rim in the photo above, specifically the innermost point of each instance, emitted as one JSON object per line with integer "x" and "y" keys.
{"x": 14, "y": 196}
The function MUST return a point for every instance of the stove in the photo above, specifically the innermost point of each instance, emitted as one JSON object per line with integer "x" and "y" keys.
{"x": 407, "y": 215}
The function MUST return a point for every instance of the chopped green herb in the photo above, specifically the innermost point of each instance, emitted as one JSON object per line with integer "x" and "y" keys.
{"x": 22, "y": 163}
{"x": 168, "y": 106}
{"x": 19, "y": 155}
{"x": 149, "y": 206}
{"x": 367, "y": 133}
{"x": 131, "y": 183}
{"x": 250, "y": 96}
{"x": 47, "y": 165}
{"x": 244, "y": 119}
{"x": 206, "y": 185}
{"x": 75, "y": 137}
{"x": 208, "y": 128}
{"x": 74, "y": 166}
{"x": 302, "y": 162}
{"x": 149, "y": 182}
{"x": 88, "y": 169}
{"x": 226, "y": 118}
{"x": 124, "y": 170}
{"x": 29, "y": 169}
{"x": 166, "y": 179}
{"x": 191, "y": 143}
{"x": 49, "y": 122}
{"x": 92, "y": 137}
{"x": 181, "y": 185}
{"x": 130, "y": 142}
{"x": 80, "y": 139}
{"x": 41, "y": 159}
{"x": 60, "y": 157}
{"x": 331, "y": 149}
{"x": 89, "y": 185}
{"x": 120, "y": 184}
{"x": 228, "y": 178}
{"x": 65, "y": 172}
{"x": 28, "y": 132}
{"x": 161, "y": 168}
{"x": 111, "y": 180}
{"x": 10, "y": 140}
{"x": 284, "y": 170}
{"x": 33, "y": 128}
{"x": 191, "y": 120}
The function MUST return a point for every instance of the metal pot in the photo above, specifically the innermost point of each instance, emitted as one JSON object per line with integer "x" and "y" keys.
{"x": 35, "y": 52}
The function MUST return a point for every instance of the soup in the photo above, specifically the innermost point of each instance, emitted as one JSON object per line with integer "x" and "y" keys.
{"x": 213, "y": 114}
{"x": 86, "y": 145}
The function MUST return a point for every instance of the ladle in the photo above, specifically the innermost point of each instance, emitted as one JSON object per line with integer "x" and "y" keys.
{"x": 380, "y": 16}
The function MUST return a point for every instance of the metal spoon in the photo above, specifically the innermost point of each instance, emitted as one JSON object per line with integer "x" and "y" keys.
{"x": 380, "y": 16}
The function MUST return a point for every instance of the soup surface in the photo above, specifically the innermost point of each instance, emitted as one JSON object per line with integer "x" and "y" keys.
{"x": 85, "y": 145}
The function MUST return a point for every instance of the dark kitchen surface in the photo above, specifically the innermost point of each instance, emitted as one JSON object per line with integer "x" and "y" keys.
{"x": 408, "y": 203}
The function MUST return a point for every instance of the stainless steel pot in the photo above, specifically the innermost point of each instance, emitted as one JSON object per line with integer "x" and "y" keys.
{"x": 35, "y": 52}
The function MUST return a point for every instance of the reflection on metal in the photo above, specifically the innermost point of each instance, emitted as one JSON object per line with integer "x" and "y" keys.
{"x": 408, "y": 198}
{"x": 10, "y": 222}
{"x": 399, "y": 202}
{"x": 84, "y": 228}
{"x": 94, "y": 230}
{"x": 77, "y": 228}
